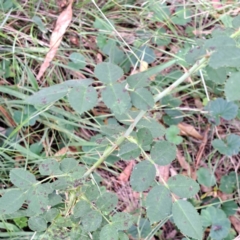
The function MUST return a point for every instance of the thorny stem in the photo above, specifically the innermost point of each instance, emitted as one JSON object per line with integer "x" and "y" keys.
{"x": 198, "y": 65}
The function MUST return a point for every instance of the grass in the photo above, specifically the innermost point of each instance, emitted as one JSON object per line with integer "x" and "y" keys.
{"x": 24, "y": 42}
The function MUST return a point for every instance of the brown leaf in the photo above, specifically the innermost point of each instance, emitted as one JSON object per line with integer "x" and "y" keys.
{"x": 124, "y": 176}
{"x": 63, "y": 22}
{"x": 189, "y": 130}
{"x": 7, "y": 116}
{"x": 65, "y": 150}
{"x": 163, "y": 172}
{"x": 236, "y": 223}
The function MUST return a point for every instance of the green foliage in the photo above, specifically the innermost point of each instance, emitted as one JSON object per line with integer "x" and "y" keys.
{"x": 172, "y": 135}
{"x": 206, "y": 177}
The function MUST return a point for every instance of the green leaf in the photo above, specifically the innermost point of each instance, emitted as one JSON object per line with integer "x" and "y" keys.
{"x": 38, "y": 21}
{"x": 22, "y": 178}
{"x": 142, "y": 176}
{"x": 187, "y": 219}
{"x": 122, "y": 221}
{"x": 219, "y": 221}
{"x": 91, "y": 192}
{"x": 144, "y": 53}
{"x": 183, "y": 186}
{"x": 38, "y": 199}
{"x": 117, "y": 98}
{"x": 182, "y": 16}
{"x": 220, "y": 108}
{"x": 122, "y": 236}
{"x": 158, "y": 203}
{"x": 142, "y": 99}
{"x": 229, "y": 147}
{"x": 206, "y": 177}
{"x": 11, "y": 201}
{"x": 108, "y": 72}
{"x": 68, "y": 165}
{"x": 83, "y": 98}
{"x": 37, "y": 224}
{"x": 217, "y": 76}
{"x": 129, "y": 151}
{"x": 51, "y": 214}
{"x": 21, "y": 222}
{"x": 81, "y": 208}
{"x": 163, "y": 153}
{"x": 141, "y": 229}
{"x": 77, "y": 61}
{"x": 49, "y": 167}
{"x": 144, "y": 137}
{"x": 228, "y": 183}
{"x": 172, "y": 135}
{"x": 109, "y": 232}
{"x": 91, "y": 221}
{"x": 156, "y": 128}
{"x": 232, "y": 87}
{"x": 47, "y": 95}
{"x": 107, "y": 202}
{"x": 194, "y": 54}
{"x": 229, "y": 208}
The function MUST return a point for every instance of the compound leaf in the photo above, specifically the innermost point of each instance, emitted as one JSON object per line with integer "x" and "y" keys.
{"x": 156, "y": 128}
{"x": 172, "y": 135}
{"x": 37, "y": 223}
{"x": 183, "y": 186}
{"x": 142, "y": 176}
{"x": 129, "y": 151}
{"x": 11, "y": 201}
{"x": 107, "y": 202}
{"x": 109, "y": 232}
{"x": 187, "y": 219}
{"x": 117, "y": 98}
{"x": 163, "y": 153}
{"x": 91, "y": 221}
{"x": 108, "y": 72}
{"x": 144, "y": 137}
{"x": 49, "y": 167}
{"x": 122, "y": 221}
{"x": 142, "y": 99}
{"x": 47, "y": 95}
{"x": 83, "y": 98}
{"x": 229, "y": 147}
{"x": 158, "y": 203}
{"x": 22, "y": 178}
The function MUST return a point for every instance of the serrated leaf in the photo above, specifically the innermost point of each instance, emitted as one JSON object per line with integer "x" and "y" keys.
{"x": 122, "y": 221}
{"x": 158, "y": 203}
{"x": 183, "y": 186}
{"x": 49, "y": 167}
{"x": 129, "y": 151}
{"x": 47, "y": 95}
{"x": 22, "y": 178}
{"x": 206, "y": 177}
{"x": 172, "y": 135}
{"x": 232, "y": 87}
{"x": 107, "y": 202}
{"x": 142, "y": 176}
{"x": 156, "y": 128}
{"x": 68, "y": 165}
{"x": 221, "y": 108}
{"x": 163, "y": 153}
{"x": 144, "y": 137}
{"x": 37, "y": 223}
{"x": 91, "y": 221}
{"x": 142, "y": 99}
{"x": 187, "y": 219}
{"x": 218, "y": 76}
{"x": 108, "y": 232}
{"x": 117, "y": 98}
{"x": 11, "y": 201}
{"x": 229, "y": 147}
{"x": 108, "y": 72}
{"x": 81, "y": 208}
{"x": 83, "y": 98}
{"x": 38, "y": 199}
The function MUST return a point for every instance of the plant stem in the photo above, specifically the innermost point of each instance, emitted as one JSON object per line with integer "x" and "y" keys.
{"x": 198, "y": 65}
